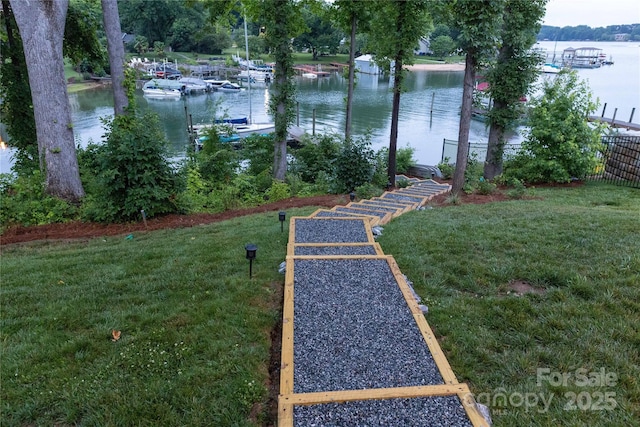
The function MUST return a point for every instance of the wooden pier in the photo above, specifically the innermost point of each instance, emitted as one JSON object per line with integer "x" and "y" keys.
{"x": 613, "y": 122}
{"x": 311, "y": 69}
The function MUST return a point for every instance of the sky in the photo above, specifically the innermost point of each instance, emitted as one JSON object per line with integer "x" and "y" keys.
{"x": 593, "y": 13}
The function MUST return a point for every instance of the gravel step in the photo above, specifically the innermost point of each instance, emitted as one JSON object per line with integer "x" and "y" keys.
{"x": 408, "y": 203}
{"x": 384, "y": 216}
{"x": 326, "y": 213}
{"x": 330, "y": 230}
{"x": 323, "y": 250}
{"x": 427, "y": 191}
{"x": 379, "y": 202}
{"x": 393, "y": 211}
{"x": 445, "y": 411}
{"x": 354, "y": 330}
{"x": 396, "y": 195}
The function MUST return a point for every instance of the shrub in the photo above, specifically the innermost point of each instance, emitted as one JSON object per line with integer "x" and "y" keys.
{"x": 317, "y": 155}
{"x": 404, "y": 159}
{"x": 403, "y": 183}
{"x": 380, "y": 172}
{"x": 518, "y": 190}
{"x": 25, "y": 202}
{"x": 367, "y": 191}
{"x": 217, "y": 162}
{"x": 354, "y": 165}
{"x": 300, "y": 188}
{"x": 447, "y": 168}
{"x": 560, "y": 144}
{"x": 258, "y": 151}
{"x": 278, "y": 191}
{"x": 485, "y": 187}
{"x": 132, "y": 172}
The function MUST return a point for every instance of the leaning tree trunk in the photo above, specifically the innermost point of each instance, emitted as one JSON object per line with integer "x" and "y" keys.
{"x": 282, "y": 93}
{"x": 115, "y": 47}
{"x": 395, "y": 114}
{"x": 352, "y": 73}
{"x": 41, "y": 25}
{"x": 465, "y": 123}
{"x": 495, "y": 147}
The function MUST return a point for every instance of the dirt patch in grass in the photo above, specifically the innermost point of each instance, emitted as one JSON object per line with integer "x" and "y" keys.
{"x": 521, "y": 287}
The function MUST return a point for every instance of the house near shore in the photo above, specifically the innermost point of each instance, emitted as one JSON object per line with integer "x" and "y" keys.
{"x": 365, "y": 64}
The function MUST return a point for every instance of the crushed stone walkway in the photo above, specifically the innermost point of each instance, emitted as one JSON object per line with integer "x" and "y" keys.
{"x": 356, "y": 347}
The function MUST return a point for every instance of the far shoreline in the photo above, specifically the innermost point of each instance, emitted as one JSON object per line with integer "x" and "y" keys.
{"x": 436, "y": 67}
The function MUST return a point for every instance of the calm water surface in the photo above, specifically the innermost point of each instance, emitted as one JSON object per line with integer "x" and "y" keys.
{"x": 429, "y": 110}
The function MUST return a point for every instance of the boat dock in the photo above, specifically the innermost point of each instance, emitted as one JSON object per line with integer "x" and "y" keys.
{"x": 613, "y": 122}
{"x": 312, "y": 70}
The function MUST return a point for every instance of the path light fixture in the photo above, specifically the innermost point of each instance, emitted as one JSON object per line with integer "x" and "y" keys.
{"x": 352, "y": 196}
{"x": 282, "y": 216}
{"x": 251, "y": 255}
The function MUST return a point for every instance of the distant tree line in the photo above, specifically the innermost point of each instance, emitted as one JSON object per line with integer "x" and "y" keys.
{"x": 585, "y": 33}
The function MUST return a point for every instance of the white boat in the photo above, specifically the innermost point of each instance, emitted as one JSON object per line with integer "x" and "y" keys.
{"x": 310, "y": 75}
{"x": 193, "y": 84}
{"x": 255, "y": 75}
{"x": 164, "y": 84}
{"x": 215, "y": 84}
{"x": 156, "y": 92}
{"x": 550, "y": 68}
{"x": 229, "y": 87}
{"x": 231, "y": 133}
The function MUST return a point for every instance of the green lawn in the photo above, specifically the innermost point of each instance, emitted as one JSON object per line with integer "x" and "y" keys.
{"x": 581, "y": 248}
{"x": 195, "y": 341}
{"x": 195, "y": 330}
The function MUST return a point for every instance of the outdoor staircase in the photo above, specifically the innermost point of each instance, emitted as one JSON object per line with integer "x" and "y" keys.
{"x": 356, "y": 348}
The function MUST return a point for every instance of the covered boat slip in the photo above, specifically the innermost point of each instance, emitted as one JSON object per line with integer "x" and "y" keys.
{"x": 356, "y": 347}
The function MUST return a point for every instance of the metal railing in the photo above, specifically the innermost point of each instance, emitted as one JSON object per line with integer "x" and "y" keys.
{"x": 619, "y": 161}
{"x": 619, "y": 158}
{"x": 476, "y": 150}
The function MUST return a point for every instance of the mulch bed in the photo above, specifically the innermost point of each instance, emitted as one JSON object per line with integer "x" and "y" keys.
{"x": 83, "y": 230}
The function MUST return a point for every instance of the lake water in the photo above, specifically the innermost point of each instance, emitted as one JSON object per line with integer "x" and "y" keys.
{"x": 429, "y": 111}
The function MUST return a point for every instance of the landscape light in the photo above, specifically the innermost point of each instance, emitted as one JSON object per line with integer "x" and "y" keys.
{"x": 352, "y": 196}
{"x": 251, "y": 255}
{"x": 281, "y": 216}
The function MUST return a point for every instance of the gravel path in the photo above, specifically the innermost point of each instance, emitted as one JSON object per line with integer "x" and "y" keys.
{"x": 335, "y": 250}
{"x": 371, "y": 212}
{"x": 353, "y": 329}
{"x": 318, "y": 230}
{"x": 445, "y": 411}
{"x": 396, "y": 196}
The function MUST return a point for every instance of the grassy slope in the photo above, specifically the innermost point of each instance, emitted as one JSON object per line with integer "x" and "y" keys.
{"x": 195, "y": 341}
{"x": 195, "y": 330}
{"x": 582, "y": 247}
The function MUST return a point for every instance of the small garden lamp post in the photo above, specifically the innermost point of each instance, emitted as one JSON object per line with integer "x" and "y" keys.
{"x": 251, "y": 255}
{"x": 282, "y": 216}
{"x": 352, "y": 196}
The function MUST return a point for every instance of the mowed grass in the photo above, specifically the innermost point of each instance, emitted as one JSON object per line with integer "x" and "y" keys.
{"x": 195, "y": 330}
{"x": 195, "y": 343}
{"x": 568, "y": 355}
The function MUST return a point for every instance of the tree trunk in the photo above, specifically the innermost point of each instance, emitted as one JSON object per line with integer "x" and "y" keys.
{"x": 17, "y": 106}
{"x": 115, "y": 47}
{"x": 352, "y": 73}
{"x": 395, "y": 114}
{"x": 465, "y": 122}
{"x": 495, "y": 148}
{"x": 281, "y": 93}
{"x": 41, "y": 25}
